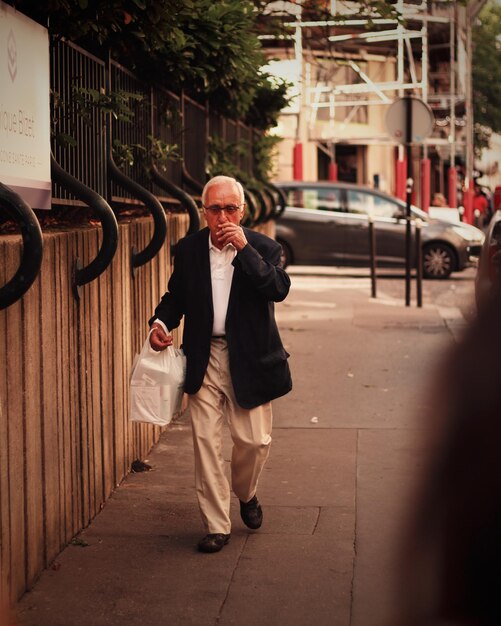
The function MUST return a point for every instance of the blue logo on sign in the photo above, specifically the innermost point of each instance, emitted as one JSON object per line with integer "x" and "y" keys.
{"x": 12, "y": 56}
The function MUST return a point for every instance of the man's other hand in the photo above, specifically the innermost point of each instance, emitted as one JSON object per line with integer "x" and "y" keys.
{"x": 159, "y": 340}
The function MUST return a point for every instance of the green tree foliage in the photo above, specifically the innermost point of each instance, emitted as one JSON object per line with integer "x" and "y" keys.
{"x": 210, "y": 48}
{"x": 486, "y": 72}
{"x": 269, "y": 99}
{"x": 264, "y": 149}
{"x": 206, "y": 47}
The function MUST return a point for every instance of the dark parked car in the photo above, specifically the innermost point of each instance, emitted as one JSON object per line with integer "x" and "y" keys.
{"x": 489, "y": 267}
{"x": 326, "y": 223}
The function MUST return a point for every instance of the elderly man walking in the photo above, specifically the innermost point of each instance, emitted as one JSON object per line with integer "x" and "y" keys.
{"x": 225, "y": 281}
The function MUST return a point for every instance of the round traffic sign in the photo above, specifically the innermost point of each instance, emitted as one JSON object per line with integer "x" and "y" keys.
{"x": 422, "y": 120}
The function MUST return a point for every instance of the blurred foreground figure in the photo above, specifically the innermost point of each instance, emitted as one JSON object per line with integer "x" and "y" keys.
{"x": 451, "y": 571}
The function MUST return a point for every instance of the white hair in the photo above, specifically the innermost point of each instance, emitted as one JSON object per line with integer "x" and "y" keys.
{"x": 223, "y": 179}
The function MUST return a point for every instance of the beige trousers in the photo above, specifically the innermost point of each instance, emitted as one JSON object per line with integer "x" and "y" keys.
{"x": 251, "y": 434}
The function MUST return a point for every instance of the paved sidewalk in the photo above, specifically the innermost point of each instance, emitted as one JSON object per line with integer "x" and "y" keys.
{"x": 345, "y": 452}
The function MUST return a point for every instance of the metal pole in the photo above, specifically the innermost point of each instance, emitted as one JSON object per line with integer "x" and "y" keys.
{"x": 302, "y": 112}
{"x": 425, "y": 164}
{"x": 419, "y": 265}
{"x": 451, "y": 174}
{"x": 372, "y": 252}
{"x": 408, "y": 145}
{"x": 469, "y": 130}
{"x": 400, "y": 49}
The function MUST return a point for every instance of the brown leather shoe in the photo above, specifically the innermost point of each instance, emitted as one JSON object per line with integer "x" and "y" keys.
{"x": 213, "y": 542}
{"x": 251, "y": 513}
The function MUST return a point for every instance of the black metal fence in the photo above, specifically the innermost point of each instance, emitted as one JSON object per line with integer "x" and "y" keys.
{"x": 89, "y": 92}
{"x": 195, "y": 139}
{"x": 78, "y": 142}
{"x": 128, "y": 131}
{"x": 118, "y": 143}
{"x": 168, "y": 128}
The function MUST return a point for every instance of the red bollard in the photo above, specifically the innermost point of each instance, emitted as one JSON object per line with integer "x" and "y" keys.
{"x": 401, "y": 178}
{"x": 298, "y": 162}
{"x": 332, "y": 171}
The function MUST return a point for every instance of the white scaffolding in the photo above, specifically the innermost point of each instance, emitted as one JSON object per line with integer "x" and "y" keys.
{"x": 423, "y": 31}
{"x": 405, "y": 40}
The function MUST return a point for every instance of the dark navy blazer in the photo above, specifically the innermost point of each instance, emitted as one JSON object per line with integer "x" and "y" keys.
{"x": 258, "y": 360}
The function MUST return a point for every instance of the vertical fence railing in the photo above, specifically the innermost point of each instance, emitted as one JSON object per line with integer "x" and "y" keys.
{"x": 168, "y": 127}
{"x": 195, "y": 143}
{"x": 78, "y": 165}
{"x": 231, "y": 132}
{"x": 78, "y": 131}
{"x": 130, "y": 177}
{"x": 126, "y": 134}
{"x": 167, "y": 171}
{"x": 216, "y": 126}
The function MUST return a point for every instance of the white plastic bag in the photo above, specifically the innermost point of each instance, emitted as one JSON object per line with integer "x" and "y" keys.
{"x": 156, "y": 384}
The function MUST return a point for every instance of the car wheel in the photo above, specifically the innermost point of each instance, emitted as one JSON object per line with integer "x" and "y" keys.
{"x": 286, "y": 256}
{"x": 438, "y": 260}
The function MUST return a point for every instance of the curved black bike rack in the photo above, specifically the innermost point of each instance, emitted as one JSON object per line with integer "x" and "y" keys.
{"x": 252, "y": 209}
{"x": 273, "y": 202}
{"x": 262, "y": 215}
{"x": 31, "y": 260}
{"x": 156, "y": 209}
{"x": 282, "y": 200}
{"x": 179, "y": 194}
{"x": 84, "y": 275}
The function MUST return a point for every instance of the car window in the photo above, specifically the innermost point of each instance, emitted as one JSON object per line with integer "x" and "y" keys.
{"x": 366, "y": 203}
{"x": 295, "y": 197}
{"x": 324, "y": 199}
{"x": 360, "y": 202}
{"x": 328, "y": 199}
{"x": 382, "y": 207}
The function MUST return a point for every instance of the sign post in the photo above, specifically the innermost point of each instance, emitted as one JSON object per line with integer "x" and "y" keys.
{"x": 408, "y": 196}
{"x": 409, "y": 121}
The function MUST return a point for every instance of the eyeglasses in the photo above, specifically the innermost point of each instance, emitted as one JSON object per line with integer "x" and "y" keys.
{"x": 230, "y": 209}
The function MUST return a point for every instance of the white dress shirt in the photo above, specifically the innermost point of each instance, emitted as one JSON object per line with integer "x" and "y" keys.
{"x": 221, "y": 273}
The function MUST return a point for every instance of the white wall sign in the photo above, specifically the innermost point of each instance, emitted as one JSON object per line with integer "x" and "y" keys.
{"x": 24, "y": 107}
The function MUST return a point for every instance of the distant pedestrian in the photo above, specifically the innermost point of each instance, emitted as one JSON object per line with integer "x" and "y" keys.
{"x": 439, "y": 200}
{"x": 480, "y": 203}
{"x": 225, "y": 282}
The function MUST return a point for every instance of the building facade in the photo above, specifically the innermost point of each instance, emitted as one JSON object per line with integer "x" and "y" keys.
{"x": 348, "y": 67}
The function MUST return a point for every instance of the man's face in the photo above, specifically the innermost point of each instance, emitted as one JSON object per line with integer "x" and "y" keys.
{"x": 221, "y": 195}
